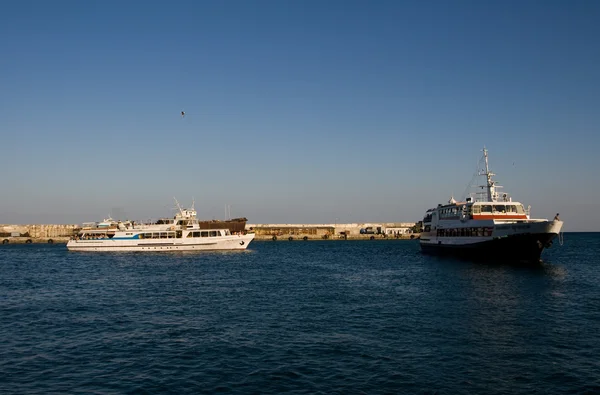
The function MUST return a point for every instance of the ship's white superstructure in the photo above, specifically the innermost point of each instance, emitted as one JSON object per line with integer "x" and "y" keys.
{"x": 487, "y": 224}
{"x": 181, "y": 233}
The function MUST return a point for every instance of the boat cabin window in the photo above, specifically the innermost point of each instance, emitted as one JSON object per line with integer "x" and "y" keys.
{"x": 498, "y": 208}
{"x": 157, "y": 235}
{"x": 204, "y": 233}
{"x": 94, "y": 236}
{"x": 465, "y": 232}
{"x": 446, "y": 213}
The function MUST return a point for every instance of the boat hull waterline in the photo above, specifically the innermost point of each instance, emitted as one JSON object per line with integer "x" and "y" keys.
{"x": 233, "y": 242}
{"x": 524, "y": 247}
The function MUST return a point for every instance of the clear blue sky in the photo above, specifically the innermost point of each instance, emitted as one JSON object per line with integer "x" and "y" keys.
{"x": 297, "y": 111}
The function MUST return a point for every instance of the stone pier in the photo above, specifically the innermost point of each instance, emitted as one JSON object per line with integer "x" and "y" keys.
{"x": 36, "y": 233}
{"x": 353, "y": 231}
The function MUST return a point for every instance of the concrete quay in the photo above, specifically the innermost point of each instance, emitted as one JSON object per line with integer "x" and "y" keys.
{"x": 50, "y": 234}
{"x": 34, "y": 240}
{"x": 412, "y": 236}
{"x": 352, "y": 231}
{"x": 38, "y": 233}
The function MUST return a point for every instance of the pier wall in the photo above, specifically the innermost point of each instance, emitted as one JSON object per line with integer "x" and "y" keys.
{"x": 37, "y": 233}
{"x": 40, "y": 233}
{"x": 331, "y": 231}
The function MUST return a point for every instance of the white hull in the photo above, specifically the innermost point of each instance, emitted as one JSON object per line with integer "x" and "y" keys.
{"x": 230, "y": 242}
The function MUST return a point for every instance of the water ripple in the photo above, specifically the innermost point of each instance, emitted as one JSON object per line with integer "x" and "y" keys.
{"x": 319, "y": 317}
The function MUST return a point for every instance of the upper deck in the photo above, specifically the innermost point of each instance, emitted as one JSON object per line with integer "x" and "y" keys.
{"x": 487, "y": 210}
{"x": 477, "y": 211}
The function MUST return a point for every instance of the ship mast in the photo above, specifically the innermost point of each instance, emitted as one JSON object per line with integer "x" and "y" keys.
{"x": 490, "y": 186}
{"x": 488, "y": 175}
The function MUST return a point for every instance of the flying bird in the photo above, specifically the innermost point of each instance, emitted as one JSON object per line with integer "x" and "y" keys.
{"x": 182, "y": 114}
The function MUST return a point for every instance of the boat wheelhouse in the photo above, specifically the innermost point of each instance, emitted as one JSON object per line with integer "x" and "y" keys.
{"x": 487, "y": 225}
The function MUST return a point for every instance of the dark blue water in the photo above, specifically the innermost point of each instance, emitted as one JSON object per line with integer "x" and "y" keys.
{"x": 301, "y": 317}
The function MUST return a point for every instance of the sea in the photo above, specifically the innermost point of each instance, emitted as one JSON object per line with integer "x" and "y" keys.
{"x": 300, "y": 317}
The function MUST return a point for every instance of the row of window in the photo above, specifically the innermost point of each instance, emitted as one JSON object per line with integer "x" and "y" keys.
{"x": 449, "y": 212}
{"x": 465, "y": 232}
{"x": 178, "y": 235}
{"x": 204, "y": 233}
{"x": 453, "y": 212}
{"x": 165, "y": 221}
{"x": 161, "y": 235}
{"x": 498, "y": 208}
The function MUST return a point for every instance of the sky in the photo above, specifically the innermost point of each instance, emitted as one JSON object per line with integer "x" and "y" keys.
{"x": 314, "y": 111}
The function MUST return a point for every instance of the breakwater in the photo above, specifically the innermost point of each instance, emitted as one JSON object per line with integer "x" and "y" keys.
{"x": 335, "y": 231}
{"x": 43, "y": 233}
{"x": 336, "y": 237}
{"x": 37, "y": 233}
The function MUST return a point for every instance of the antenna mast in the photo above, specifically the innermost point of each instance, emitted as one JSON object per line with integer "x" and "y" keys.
{"x": 490, "y": 186}
{"x": 488, "y": 175}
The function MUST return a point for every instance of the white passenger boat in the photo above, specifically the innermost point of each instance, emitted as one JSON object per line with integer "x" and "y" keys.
{"x": 181, "y": 233}
{"x": 487, "y": 225}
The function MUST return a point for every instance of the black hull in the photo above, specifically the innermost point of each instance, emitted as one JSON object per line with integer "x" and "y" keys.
{"x": 518, "y": 248}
